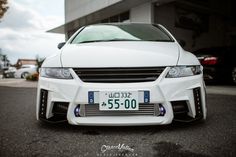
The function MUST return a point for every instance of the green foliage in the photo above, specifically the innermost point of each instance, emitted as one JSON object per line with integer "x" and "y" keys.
{"x": 39, "y": 62}
{"x": 32, "y": 77}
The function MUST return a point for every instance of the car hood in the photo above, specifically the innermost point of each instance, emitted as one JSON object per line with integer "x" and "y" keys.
{"x": 120, "y": 54}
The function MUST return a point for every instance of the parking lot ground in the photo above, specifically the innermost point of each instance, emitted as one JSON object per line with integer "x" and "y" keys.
{"x": 22, "y": 135}
{"x": 12, "y": 82}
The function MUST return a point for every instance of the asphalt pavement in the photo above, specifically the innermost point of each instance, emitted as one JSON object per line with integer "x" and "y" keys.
{"x": 22, "y": 135}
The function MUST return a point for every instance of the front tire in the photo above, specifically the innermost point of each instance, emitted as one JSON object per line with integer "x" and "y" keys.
{"x": 24, "y": 75}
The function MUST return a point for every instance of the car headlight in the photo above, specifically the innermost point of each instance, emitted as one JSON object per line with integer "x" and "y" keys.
{"x": 58, "y": 73}
{"x": 183, "y": 71}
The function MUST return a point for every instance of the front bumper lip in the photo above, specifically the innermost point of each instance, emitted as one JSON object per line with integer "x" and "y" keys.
{"x": 162, "y": 91}
{"x": 119, "y": 121}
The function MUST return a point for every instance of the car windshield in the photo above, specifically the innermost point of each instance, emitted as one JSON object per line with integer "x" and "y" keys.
{"x": 121, "y": 32}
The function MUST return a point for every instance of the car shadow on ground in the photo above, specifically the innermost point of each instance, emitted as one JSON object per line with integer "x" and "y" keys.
{"x": 160, "y": 148}
{"x": 98, "y": 130}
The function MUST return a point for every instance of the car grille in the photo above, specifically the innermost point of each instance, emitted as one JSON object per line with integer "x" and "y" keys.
{"x": 144, "y": 110}
{"x": 119, "y": 75}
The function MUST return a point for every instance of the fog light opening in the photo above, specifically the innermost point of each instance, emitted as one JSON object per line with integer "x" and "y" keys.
{"x": 77, "y": 111}
{"x": 162, "y": 110}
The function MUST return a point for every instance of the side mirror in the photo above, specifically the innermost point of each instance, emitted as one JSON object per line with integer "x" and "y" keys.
{"x": 60, "y": 45}
{"x": 182, "y": 42}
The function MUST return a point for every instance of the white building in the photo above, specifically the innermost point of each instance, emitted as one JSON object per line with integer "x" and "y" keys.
{"x": 201, "y": 23}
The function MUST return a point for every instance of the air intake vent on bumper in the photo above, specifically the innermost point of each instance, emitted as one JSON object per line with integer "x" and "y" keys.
{"x": 180, "y": 109}
{"x": 60, "y": 108}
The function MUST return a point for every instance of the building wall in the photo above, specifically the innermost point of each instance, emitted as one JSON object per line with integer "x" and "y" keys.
{"x": 216, "y": 34}
{"x": 151, "y": 11}
{"x": 78, "y": 8}
{"x": 142, "y": 13}
{"x": 89, "y": 12}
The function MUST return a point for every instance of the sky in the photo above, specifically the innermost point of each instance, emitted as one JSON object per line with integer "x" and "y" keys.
{"x": 23, "y": 29}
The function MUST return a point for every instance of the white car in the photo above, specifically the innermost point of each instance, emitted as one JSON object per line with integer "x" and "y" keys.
{"x": 9, "y": 72}
{"x": 121, "y": 74}
{"x": 25, "y": 70}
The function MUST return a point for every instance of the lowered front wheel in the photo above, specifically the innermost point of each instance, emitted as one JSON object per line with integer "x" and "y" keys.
{"x": 24, "y": 74}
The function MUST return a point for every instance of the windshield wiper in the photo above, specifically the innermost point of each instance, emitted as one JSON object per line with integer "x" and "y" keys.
{"x": 115, "y": 39}
{"x": 91, "y": 41}
{"x": 120, "y": 39}
{"x": 158, "y": 40}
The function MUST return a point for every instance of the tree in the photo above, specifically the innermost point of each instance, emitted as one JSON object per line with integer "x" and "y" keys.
{"x": 3, "y": 7}
{"x": 39, "y": 61}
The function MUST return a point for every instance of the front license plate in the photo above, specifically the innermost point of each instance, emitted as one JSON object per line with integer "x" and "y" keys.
{"x": 118, "y": 100}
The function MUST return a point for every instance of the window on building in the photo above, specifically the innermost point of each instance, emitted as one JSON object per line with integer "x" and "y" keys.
{"x": 188, "y": 19}
{"x": 105, "y": 21}
{"x": 71, "y": 32}
{"x": 117, "y": 18}
{"x": 124, "y": 16}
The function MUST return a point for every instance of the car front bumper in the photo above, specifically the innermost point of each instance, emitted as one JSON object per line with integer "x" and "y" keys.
{"x": 167, "y": 92}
